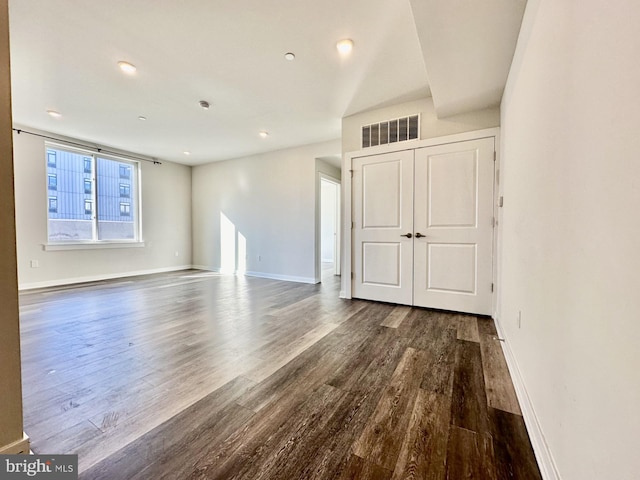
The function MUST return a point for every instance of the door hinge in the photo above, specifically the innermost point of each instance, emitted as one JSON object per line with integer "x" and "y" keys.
{"x": 492, "y": 287}
{"x": 501, "y": 201}
{"x": 494, "y": 155}
{"x": 351, "y": 275}
{"x": 493, "y": 221}
{"x": 352, "y": 225}
{"x": 351, "y": 172}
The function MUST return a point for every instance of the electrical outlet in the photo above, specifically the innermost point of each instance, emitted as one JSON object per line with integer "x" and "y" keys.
{"x": 519, "y": 319}
{"x": 259, "y": 258}
{"x": 177, "y": 253}
{"x": 35, "y": 264}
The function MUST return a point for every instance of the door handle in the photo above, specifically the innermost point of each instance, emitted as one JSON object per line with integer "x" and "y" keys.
{"x": 419, "y": 235}
{"x": 408, "y": 235}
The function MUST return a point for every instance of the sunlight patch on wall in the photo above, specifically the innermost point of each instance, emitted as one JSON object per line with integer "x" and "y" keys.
{"x": 242, "y": 253}
{"x": 227, "y": 245}
{"x": 233, "y": 247}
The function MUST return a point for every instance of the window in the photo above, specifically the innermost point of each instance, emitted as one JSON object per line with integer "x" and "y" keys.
{"x": 125, "y": 209}
{"x": 51, "y": 158}
{"x": 90, "y": 209}
{"x": 52, "y": 182}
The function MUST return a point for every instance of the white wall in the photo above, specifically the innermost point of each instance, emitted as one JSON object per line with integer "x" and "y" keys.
{"x": 269, "y": 200}
{"x": 571, "y": 230}
{"x": 166, "y": 224}
{"x": 430, "y": 125}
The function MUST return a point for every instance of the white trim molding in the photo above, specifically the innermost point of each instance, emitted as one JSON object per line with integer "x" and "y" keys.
{"x": 271, "y": 276}
{"x": 97, "y": 278}
{"x": 90, "y": 246}
{"x": 546, "y": 463}
{"x": 286, "y": 278}
{"x": 19, "y": 447}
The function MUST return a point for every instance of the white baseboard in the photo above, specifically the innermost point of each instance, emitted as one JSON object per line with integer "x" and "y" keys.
{"x": 286, "y": 278}
{"x": 547, "y": 465}
{"x": 19, "y": 447}
{"x": 204, "y": 267}
{"x": 97, "y": 278}
{"x": 271, "y": 276}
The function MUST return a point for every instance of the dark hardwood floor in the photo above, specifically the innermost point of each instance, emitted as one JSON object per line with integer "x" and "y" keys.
{"x": 195, "y": 375}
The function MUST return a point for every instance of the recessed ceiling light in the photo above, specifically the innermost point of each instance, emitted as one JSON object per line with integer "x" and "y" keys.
{"x": 142, "y": 117}
{"x": 345, "y": 46}
{"x": 54, "y": 114}
{"x": 127, "y": 67}
{"x": 264, "y": 134}
{"x": 186, "y": 152}
{"x": 290, "y": 56}
{"x": 204, "y": 104}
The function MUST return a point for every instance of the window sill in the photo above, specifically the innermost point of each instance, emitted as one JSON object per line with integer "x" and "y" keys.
{"x": 90, "y": 246}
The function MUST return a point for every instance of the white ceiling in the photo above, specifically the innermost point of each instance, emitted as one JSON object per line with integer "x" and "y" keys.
{"x": 64, "y": 55}
{"x": 468, "y": 47}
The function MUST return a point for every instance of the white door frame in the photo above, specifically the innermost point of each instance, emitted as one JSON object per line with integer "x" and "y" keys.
{"x": 347, "y": 162}
{"x": 338, "y": 245}
{"x": 338, "y": 224}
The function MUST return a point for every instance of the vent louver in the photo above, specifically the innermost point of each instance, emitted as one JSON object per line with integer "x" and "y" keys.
{"x": 392, "y": 131}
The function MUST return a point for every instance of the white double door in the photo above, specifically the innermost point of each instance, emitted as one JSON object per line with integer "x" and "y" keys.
{"x": 423, "y": 226}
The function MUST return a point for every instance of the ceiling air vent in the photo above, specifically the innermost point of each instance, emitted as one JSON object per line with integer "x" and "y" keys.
{"x": 398, "y": 130}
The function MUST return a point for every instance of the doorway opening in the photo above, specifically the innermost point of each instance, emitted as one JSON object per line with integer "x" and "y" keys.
{"x": 329, "y": 226}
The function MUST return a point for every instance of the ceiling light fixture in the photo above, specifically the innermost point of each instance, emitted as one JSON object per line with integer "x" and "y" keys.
{"x": 127, "y": 67}
{"x": 54, "y": 114}
{"x": 264, "y": 134}
{"x": 345, "y": 46}
{"x": 204, "y": 104}
{"x": 142, "y": 117}
{"x": 187, "y": 152}
{"x": 290, "y": 56}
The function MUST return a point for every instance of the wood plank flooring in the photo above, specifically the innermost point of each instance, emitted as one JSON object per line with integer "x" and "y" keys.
{"x": 195, "y": 375}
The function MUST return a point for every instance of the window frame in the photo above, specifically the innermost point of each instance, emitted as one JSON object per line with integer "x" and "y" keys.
{"x": 51, "y": 200}
{"x": 127, "y": 172}
{"x": 124, "y": 190}
{"x": 135, "y": 177}
{"x": 125, "y": 209}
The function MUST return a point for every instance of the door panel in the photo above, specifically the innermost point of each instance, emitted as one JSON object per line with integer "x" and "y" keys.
{"x": 381, "y": 264}
{"x": 446, "y": 263}
{"x": 381, "y": 194}
{"x": 382, "y": 212}
{"x": 452, "y": 188}
{"x": 454, "y": 212}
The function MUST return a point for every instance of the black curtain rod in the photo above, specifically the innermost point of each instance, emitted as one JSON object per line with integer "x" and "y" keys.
{"x": 99, "y": 150}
